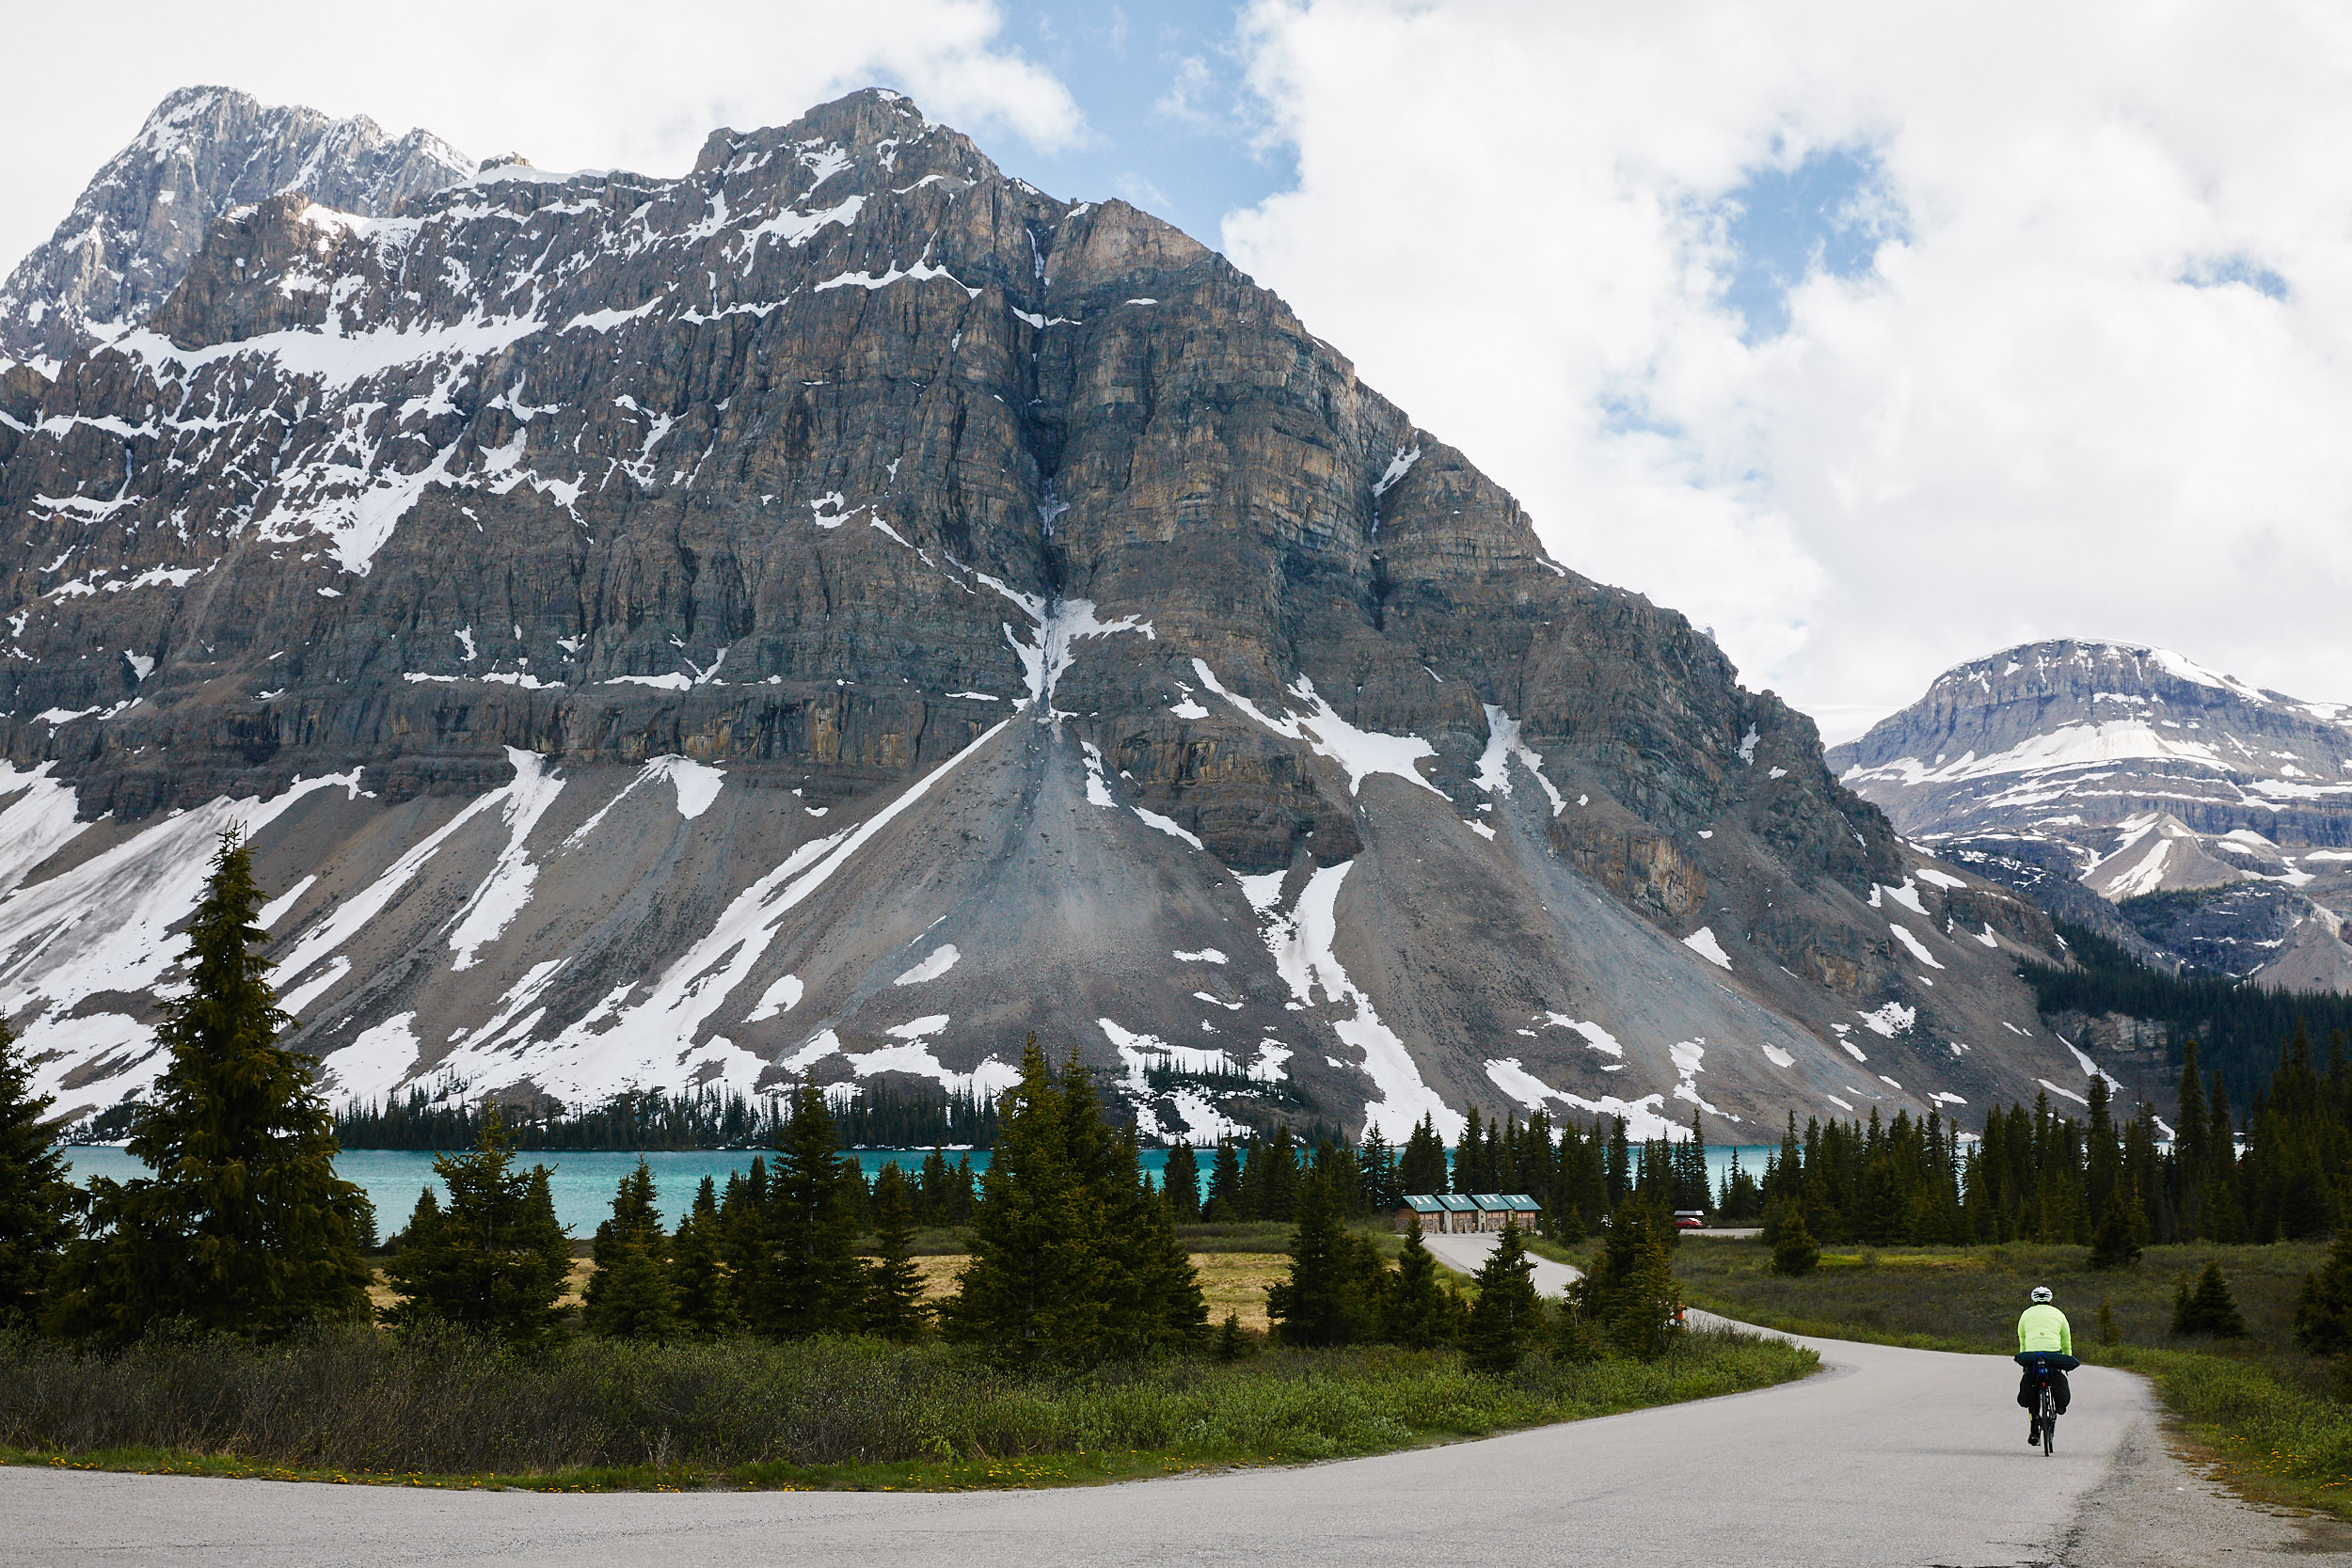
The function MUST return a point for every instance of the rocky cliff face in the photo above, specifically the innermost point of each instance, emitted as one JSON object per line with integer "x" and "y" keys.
{"x": 142, "y": 220}
{"x": 830, "y": 614}
{"x": 2200, "y": 819}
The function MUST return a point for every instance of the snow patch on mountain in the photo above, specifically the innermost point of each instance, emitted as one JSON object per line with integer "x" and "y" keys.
{"x": 1301, "y": 943}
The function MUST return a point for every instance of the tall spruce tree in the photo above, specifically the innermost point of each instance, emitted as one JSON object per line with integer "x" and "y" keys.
{"x": 1377, "y": 1172}
{"x": 629, "y": 1294}
{"x": 1507, "y": 1315}
{"x": 1421, "y": 1309}
{"x": 1180, "y": 1179}
{"x": 36, "y": 1199}
{"x": 1226, "y": 1199}
{"x": 1033, "y": 1289}
{"x": 1421, "y": 1170}
{"x": 744, "y": 1236}
{"x": 1631, "y": 1296}
{"x": 1149, "y": 1298}
{"x": 1270, "y": 1175}
{"x": 893, "y": 1308}
{"x": 1332, "y": 1295}
{"x": 705, "y": 1301}
{"x": 244, "y": 1228}
{"x": 2323, "y": 1312}
{"x": 2116, "y": 1246}
{"x": 1154, "y": 1303}
{"x": 495, "y": 1261}
{"x": 810, "y": 1283}
{"x": 1074, "y": 1260}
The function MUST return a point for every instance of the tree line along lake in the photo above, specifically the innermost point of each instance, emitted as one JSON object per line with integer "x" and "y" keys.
{"x": 582, "y": 1180}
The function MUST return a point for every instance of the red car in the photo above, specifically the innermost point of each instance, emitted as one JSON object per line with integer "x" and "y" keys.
{"x": 1689, "y": 1219}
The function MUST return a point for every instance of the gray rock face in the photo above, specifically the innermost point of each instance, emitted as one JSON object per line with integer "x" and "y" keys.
{"x": 142, "y": 220}
{"x": 2138, "y": 774}
{"x": 836, "y": 612}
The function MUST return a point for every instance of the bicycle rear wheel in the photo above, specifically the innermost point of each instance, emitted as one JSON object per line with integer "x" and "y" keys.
{"x": 2049, "y": 1423}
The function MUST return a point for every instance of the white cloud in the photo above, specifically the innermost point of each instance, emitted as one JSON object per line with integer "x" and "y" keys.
{"x": 589, "y": 84}
{"x": 1192, "y": 81}
{"x": 1137, "y": 191}
{"x": 2061, "y": 402}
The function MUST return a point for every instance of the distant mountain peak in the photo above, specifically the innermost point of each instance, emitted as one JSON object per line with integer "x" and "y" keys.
{"x": 2093, "y": 773}
{"x": 2066, "y": 664}
{"x": 202, "y": 153}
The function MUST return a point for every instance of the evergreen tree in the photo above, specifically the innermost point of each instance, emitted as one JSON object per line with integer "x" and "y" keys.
{"x": 1743, "y": 1201}
{"x": 932, "y": 1202}
{"x": 1074, "y": 1260}
{"x": 1619, "y": 1164}
{"x": 1157, "y": 1303}
{"x": 243, "y": 1227}
{"x": 36, "y": 1199}
{"x": 894, "y": 1290}
{"x": 1420, "y": 1308}
{"x": 629, "y": 1296}
{"x": 1232, "y": 1340}
{"x": 2116, "y": 1245}
{"x": 1332, "y": 1295}
{"x": 1180, "y": 1179}
{"x": 810, "y": 1283}
{"x": 1631, "y": 1296}
{"x": 1691, "y": 1189}
{"x": 1033, "y": 1290}
{"x": 494, "y": 1261}
{"x": 1420, "y": 1169}
{"x": 1149, "y": 1298}
{"x": 1507, "y": 1315}
{"x": 2224, "y": 1212}
{"x": 1376, "y": 1165}
{"x": 2322, "y": 1313}
{"x": 1226, "y": 1202}
{"x": 2189, "y": 1146}
{"x": 1270, "y": 1175}
{"x": 2209, "y": 1309}
{"x": 705, "y": 1302}
{"x": 1794, "y": 1251}
{"x": 2108, "y": 1332}
{"x": 742, "y": 1237}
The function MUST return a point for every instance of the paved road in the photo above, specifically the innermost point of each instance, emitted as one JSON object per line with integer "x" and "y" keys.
{"x": 1465, "y": 1254}
{"x": 1888, "y": 1457}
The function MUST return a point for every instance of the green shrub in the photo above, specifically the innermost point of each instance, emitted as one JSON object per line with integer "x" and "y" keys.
{"x": 451, "y": 1402}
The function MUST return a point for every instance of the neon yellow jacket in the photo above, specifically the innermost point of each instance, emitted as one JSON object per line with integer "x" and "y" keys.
{"x": 2044, "y": 1328}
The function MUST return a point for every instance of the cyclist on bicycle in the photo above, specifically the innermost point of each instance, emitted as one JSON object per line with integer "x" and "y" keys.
{"x": 2043, "y": 1338}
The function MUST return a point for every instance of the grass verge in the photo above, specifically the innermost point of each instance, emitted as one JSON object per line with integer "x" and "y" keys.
{"x": 2260, "y": 1405}
{"x": 358, "y": 1406}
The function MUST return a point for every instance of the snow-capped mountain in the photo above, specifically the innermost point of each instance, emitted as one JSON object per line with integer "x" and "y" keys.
{"x": 832, "y": 614}
{"x": 2104, "y": 771}
{"x": 205, "y": 150}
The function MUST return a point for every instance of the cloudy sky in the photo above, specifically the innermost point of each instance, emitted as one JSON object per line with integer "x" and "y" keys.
{"x": 1874, "y": 338}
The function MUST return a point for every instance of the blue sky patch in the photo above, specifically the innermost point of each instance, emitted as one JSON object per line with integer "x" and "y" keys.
{"x": 1171, "y": 126}
{"x": 1827, "y": 213}
{"x": 2220, "y": 271}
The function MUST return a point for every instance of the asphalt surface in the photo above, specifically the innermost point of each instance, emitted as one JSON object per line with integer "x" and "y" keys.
{"x": 1464, "y": 1254}
{"x": 1888, "y": 1457}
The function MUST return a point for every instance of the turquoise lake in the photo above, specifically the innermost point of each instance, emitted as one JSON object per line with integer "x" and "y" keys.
{"x": 582, "y": 1182}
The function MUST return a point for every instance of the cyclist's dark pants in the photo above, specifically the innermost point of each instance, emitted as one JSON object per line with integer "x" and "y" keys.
{"x": 2059, "y": 1365}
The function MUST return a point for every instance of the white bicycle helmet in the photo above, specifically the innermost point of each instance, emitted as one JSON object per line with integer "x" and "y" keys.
{"x": 2041, "y": 1293}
